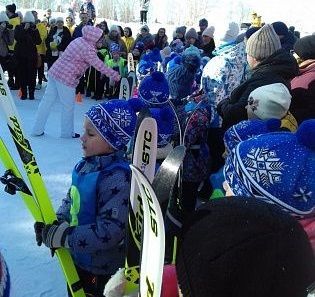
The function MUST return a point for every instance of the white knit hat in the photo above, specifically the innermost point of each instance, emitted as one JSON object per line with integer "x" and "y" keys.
{"x": 3, "y": 17}
{"x": 209, "y": 31}
{"x": 28, "y": 17}
{"x": 270, "y": 101}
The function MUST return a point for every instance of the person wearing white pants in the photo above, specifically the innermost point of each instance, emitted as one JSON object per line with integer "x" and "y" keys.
{"x": 63, "y": 77}
{"x": 66, "y": 95}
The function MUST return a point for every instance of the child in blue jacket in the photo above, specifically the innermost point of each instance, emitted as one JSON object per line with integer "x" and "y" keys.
{"x": 93, "y": 215}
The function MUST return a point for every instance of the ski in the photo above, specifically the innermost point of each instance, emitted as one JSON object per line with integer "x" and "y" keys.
{"x": 165, "y": 178}
{"x": 124, "y": 91}
{"x": 131, "y": 64}
{"x": 37, "y": 184}
{"x": 153, "y": 243}
{"x": 13, "y": 181}
{"x": 132, "y": 80}
{"x": 144, "y": 158}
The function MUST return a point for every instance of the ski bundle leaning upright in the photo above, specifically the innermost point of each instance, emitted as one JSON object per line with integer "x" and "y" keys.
{"x": 45, "y": 211}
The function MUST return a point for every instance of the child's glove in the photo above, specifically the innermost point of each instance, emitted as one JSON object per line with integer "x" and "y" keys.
{"x": 56, "y": 235}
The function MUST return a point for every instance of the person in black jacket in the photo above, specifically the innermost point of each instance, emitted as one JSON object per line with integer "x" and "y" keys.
{"x": 208, "y": 44}
{"x": 57, "y": 41}
{"x": 27, "y": 37}
{"x": 269, "y": 63}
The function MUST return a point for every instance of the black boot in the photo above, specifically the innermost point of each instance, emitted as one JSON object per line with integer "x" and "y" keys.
{"x": 23, "y": 94}
{"x": 31, "y": 94}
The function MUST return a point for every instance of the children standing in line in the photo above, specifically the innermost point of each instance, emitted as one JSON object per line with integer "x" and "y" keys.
{"x": 93, "y": 215}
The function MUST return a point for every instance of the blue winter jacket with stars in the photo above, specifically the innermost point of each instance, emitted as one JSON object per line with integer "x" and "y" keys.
{"x": 97, "y": 208}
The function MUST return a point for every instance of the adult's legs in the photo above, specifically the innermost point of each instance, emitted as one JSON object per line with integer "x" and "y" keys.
{"x": 67, "y": 98}
{"x": 44, "y": 108}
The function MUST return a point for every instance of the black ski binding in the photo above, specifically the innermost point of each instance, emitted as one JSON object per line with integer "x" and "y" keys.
{"x": 13, "y": 183}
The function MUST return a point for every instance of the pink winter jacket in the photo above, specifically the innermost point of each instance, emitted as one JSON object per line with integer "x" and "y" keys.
{"x": 80, "y": 54}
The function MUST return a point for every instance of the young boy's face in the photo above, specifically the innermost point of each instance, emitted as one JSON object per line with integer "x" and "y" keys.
{"x": 93, "y": 144}
{"x": 115, "y": 55}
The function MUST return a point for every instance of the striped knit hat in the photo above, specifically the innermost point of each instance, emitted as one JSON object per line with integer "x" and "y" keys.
{"x": 263, "y": 43}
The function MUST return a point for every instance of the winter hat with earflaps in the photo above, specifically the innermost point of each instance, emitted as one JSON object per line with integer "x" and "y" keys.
{"x": 263, "y": 43}
{"x": 28, "y": 17}
{"x": 243, "y": 247}
{"x": 269, "y": 101}
{"x": 3, "y": 17}
{"x": 115, "y": 120}
{"x": 248, "y": 129}
{"x": 278, "y": 168}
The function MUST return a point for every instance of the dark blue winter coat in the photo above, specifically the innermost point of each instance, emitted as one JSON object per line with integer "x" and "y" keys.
{"x": 97, "y": 206}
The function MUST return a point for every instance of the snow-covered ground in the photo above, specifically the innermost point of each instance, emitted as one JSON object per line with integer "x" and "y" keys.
{"x": 33, "y": 272}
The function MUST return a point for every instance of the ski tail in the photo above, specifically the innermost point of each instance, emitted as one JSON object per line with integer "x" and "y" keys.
{"x": 153, "y": 245}
{"x": 37, "y": 184}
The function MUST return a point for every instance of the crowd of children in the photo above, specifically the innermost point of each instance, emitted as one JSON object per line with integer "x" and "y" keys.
{"x": 245, "y": 110}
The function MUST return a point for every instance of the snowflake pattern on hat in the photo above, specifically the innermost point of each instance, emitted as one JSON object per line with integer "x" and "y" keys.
{"x": 264, "y": 166}
{"x": 277, "y": 168}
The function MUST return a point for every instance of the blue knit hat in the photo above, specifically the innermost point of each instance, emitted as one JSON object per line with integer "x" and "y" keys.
{"x": 114, "y": 48}
{"x": 115, "y": 120}
{"x": 278, "y": 168}
{"x": 146, "y": 65}
{"x": 248, "y": 129}
{"x": 154, "y": 88}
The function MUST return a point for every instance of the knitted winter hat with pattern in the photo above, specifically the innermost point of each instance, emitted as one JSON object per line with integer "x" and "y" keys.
{"x": 270, "y": 101}
{"x": 114, "y": 48}
{"x": 263, "y": 43}
{"x": 115, "y": 120}
{"x": 278, "y": 168}
{"x": 243, "y": 247}
{"x": 154, "y": 89}
{"x": 248, "y": 129}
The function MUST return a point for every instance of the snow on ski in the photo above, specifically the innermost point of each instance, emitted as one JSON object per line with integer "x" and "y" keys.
{"x": 153, "y": 244}
{"x": 37, "y": 184}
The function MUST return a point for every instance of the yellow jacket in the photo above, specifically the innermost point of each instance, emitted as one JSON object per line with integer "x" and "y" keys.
{"x": 42, "y": 29}
{"x": 14, "y": 22}
{"x": 129, "y": 41}
{"x": 71, "y": 28}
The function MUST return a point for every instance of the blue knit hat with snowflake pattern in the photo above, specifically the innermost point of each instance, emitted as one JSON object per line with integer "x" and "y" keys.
{"x": 248, "y": 129}
{"x": 278, "y": 168}
{"x": 154, "y": 89}
{"x": 115, "y": 120}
